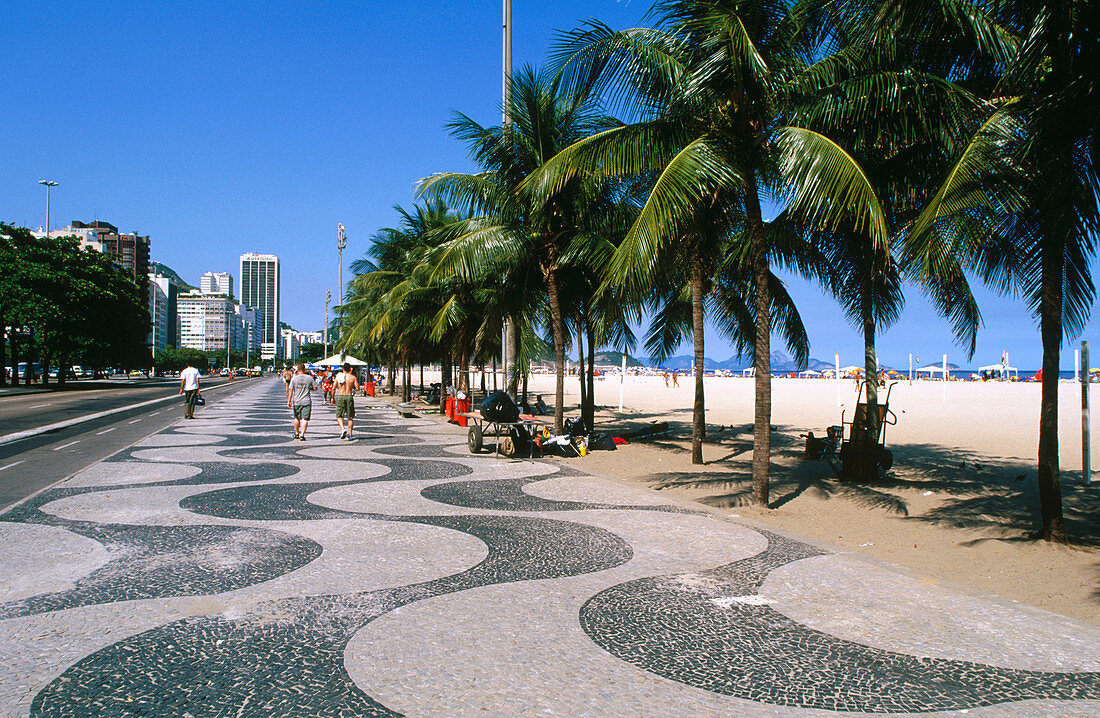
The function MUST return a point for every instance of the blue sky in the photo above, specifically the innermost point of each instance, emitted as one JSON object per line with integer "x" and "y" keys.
{"x": 222, "y": 128}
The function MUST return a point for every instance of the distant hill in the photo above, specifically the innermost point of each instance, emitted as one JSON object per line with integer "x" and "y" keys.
{"x": 160, "y": 268}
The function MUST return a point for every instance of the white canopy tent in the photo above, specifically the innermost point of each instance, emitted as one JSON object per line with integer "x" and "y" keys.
{"x": 1001, "y": 369}
{"x": 809, "y": 373}
{"x": 934, "y": 369}
{"x": 340, "y": 360}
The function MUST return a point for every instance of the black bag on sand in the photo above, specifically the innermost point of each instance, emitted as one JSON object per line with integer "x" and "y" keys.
{"x": 498, "y": 406}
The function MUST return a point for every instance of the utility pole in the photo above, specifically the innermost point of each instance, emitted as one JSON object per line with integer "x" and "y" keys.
{"x": 508, "y": 347}
{"x": 247, "y": 346}
{"x": 341, "y": 244}
{"x": 328, "y": 298}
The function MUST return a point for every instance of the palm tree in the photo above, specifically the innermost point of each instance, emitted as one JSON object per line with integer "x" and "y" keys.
{"x": 705, "y": 85}
{"x": 513, "y": 227}
{"x": 1037, "y": 229}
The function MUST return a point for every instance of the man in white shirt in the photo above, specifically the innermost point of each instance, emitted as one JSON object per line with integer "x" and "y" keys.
{"x": 189, "y": 387}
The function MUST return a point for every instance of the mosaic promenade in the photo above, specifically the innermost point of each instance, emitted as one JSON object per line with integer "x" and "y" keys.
{"x": 220, "y": 568}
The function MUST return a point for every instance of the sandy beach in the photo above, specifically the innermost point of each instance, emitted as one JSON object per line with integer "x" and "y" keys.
{"x": 956, "y": 507}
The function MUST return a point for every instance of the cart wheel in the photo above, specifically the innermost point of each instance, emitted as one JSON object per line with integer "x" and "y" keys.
{"x": 886, "y": 460}
{"x": 473, "y": 439}
{"x": 508, "y": 446}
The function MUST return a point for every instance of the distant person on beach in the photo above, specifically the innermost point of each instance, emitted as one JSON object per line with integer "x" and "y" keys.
{"x": 675, "y": 378}
{"x": 666, "y": 379}
{"x": 299, "y": 401}
{"x": 346, "y": 386}
{"x": 189, "y": 387}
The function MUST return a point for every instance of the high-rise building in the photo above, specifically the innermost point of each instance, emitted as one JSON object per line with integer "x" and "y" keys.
{"x": 129, "y": 250}
{"x": 260, "y": 289}
{"x": 253, "y": 320}
{"x": 209, "y": 322}
{"x": 217, "y": 283}
{"x": 163, "y": 294}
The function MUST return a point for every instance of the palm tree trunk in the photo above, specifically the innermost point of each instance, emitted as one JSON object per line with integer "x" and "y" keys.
{"x": 1050, "y": 327}
{"x": 867, "y": 459}
{"x": 762, "y": 360}
{"x": 698, "y": 414}
{"x": 557, "y": 325}
{"x": 392, "y": 378}
{"x": 590, "y": 418}
{"x": 512, "y": 336}
{"x": 581, "y": 371}
{"x": 446, "y": 379}
{"x": 421, "y": 377}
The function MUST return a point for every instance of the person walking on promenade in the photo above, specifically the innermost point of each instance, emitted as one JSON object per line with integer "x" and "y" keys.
{"x": 346, "y": 386}
{"x": 299, "y": 401}
{"x": 189, "y": 387}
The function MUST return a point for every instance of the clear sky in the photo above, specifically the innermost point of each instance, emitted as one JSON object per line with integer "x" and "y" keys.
{"x": 222, "y": 128}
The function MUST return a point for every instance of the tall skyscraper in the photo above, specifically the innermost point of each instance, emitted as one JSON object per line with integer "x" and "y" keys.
{"x": 260, "y": 289}
{"x": 163, "y": 293}
{"x": 217, "y": 283}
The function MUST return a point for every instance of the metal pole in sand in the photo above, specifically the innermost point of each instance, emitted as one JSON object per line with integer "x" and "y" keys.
{"x": 622, "y": 381}
{"x": 910, "y": 368}
{"x": 1077, "y": 364}
{"x": 1086, "y": 452}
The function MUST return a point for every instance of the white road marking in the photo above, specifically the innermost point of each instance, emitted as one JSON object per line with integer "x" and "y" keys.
{"x": 37, "y": 406}
{"x": 134, "y": 421}
{"x": 154, "y": 413}
{"x": 100, "y": 433}
{"x": 65, "y": 446}
{"x": 16, "y": 463}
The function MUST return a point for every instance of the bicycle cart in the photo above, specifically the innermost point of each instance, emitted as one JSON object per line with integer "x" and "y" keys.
{"x": 858, "y": 452}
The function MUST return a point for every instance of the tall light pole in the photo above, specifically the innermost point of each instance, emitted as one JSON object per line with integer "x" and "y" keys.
{"x": 247, "y": 346}
{"x": 341, "y": 244}
{"x": 328, "y": 299}
{"x": 48, "y": 184}
{"x": 507, "y": 349}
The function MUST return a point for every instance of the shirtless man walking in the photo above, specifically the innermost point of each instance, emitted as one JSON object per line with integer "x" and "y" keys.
{"x": 346, "y": 386}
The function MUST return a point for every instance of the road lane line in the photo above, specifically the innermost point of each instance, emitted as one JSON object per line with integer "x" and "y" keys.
{"x": 65, "y": 446}
{"x": 101, "y": 433}
{"x": 154, "y": 413}
{"x": 134, "y": 421}
{"x": 37, "y": 406}
{"x": 15, "y": 463}
{"x": 8, "y": 438}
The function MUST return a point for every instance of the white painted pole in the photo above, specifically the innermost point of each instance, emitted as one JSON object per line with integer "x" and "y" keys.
{"x": 622, "y": 384}
{"x": 910, "y": 368}
{"x": 836, "y": 356}
{"x": 1086, "y": 431}
{"x": 944, "y": 378}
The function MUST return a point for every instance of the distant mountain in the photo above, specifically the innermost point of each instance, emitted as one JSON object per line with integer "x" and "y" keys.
{"x": 780, "y": 363}
{"x": 159, "y": 268}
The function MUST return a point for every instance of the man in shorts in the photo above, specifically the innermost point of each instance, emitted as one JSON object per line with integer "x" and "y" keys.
{"x": 189, "y": 387}
{"x": 299, "y": 400}
{"x": 346, "y": 386}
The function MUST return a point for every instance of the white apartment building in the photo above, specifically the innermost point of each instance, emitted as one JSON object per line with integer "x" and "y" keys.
{"x": 260, "y": 284}
{"x": 209, "y": 322}
{"x": 217, "y": 283}
{"x": 291, "y": 345}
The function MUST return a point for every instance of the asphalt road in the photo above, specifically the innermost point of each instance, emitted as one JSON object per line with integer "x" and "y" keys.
{"x": 30, "y": 465}
{"x": 23, "y": 411}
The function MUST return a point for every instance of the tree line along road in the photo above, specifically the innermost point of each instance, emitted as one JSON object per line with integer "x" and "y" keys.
{"x": 31, "y": 464}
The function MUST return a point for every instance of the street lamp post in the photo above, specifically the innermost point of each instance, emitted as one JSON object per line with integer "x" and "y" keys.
{"x": 48, "y": 184}
{"x": 341, "y": 244}
{"x": 247, "y": 346}
{"x": 328, "y": 299}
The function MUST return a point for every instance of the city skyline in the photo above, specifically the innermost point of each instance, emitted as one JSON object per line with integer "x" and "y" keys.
{"x": 289, "y": 130}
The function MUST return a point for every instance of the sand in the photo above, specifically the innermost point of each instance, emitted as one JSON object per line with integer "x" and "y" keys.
{"x": 956, "y": 508}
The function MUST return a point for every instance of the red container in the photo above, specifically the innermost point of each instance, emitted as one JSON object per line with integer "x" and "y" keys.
{"x": 368, "y": 388}
{"x": 450, "y": 410}
{"x": 461, "y": 406}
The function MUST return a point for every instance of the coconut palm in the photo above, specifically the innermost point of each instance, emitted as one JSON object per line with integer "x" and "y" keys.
{"x": 1036, "y": 231}
{"x": 705, "y": 86}
{"x": 514, "y": 228}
